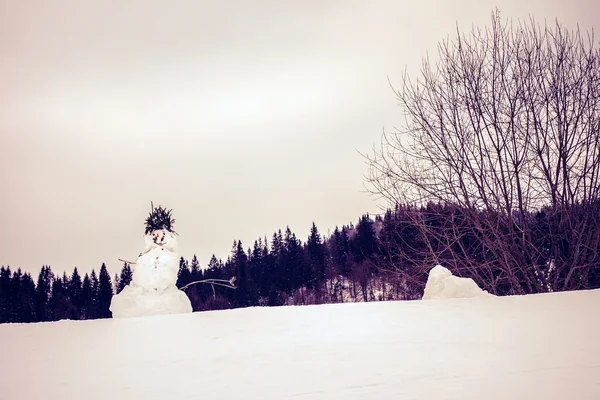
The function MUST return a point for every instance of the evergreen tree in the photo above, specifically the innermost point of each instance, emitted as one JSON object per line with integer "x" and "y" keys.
{"x": 316, "y": 255}
{"x": 74, "y": 293}
{"x": 87, "y": 298}
{"x": 259, "y": 268}
{"x": 277, "y": 245}
{"x": 42, "y": 295}
{"x": 105, "y": 293}
{"x": 184, "y": 275}
{"x": 195, "y": 269}
{"x": 125, "y": 278}
{"x": 274, "y": 269}
{"x": 20, "y": 310}
{"x": 364, "y": 243}
{"x": 16, "y": 314}
{"x": 59, "y": 304}
{"x": 196, "y": 293}
{"x": 245, "y": 293}
{"x": 6, "y": 296}
{"x": 293, "y": 270}
{"x": 215, "y": 269}
{"x": 340, "y": 251}
{"x": 26, "y": 299}
{"x": 93, "y": 306}
{"x": 65, "y": 280}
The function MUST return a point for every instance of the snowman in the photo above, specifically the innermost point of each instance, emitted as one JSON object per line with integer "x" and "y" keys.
{"x": 153, "y": 289}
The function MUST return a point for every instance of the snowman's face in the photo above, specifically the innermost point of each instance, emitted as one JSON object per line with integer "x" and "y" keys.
{"x": 162, "y": 238}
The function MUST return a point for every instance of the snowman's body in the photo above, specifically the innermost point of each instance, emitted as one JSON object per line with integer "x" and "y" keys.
{"x": 153, "y": 289}
{"x": 156, "y": 268}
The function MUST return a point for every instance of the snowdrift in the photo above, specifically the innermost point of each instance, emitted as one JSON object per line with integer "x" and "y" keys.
{"x": 441, "y": 284}
{"x": 529, "y": 347}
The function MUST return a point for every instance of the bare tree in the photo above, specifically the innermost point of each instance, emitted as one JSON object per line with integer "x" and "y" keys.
{"x": 503, "y": 132}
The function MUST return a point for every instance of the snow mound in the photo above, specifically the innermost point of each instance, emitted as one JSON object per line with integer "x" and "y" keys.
{"x": 135, "y": 301}
{"x": 153, "y": 289}
{"x": 441, "y": 284}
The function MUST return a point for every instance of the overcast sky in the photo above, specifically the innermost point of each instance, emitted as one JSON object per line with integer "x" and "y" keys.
{"x": 243, "y": 117}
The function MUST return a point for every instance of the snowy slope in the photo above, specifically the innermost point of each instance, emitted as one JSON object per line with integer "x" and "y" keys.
{"x": 530, "y": 347}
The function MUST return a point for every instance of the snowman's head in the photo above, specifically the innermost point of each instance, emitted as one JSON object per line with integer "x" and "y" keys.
{"x": 159, "y": 229}
{"x": 161, "y": 238}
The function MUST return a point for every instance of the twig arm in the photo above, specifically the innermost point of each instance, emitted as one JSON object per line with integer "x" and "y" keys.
{"x": 128, "y": 262}
{"x": 219, "y": 282}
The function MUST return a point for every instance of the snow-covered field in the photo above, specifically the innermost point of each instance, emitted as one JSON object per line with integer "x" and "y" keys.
{"x": 530, "y": 347}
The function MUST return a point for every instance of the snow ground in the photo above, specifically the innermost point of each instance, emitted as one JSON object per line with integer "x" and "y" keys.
{"x": 529, "y": 347}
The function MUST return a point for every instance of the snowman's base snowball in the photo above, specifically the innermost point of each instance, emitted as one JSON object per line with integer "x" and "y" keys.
{"x": 135, "y": 301}
{"x": 441, "y": 284}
